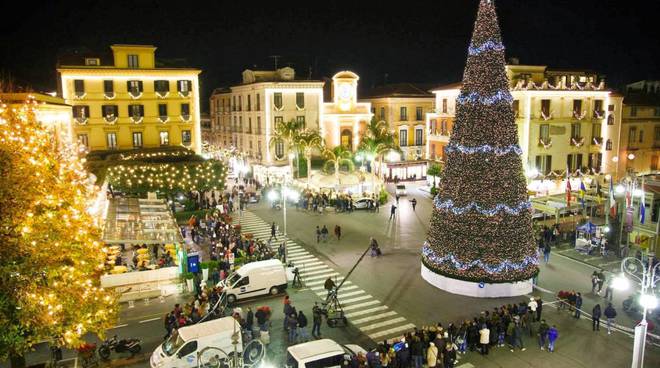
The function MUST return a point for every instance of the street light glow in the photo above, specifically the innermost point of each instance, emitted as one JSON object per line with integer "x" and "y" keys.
{"x": 619, "y": 189}
{"x": 648, "y": 301}
{"x": 631, "y": 156}
{"x": 606, "y": 229}
{"x": 273, "y": 195}
{"x": 615, "y": 159}
{"x": 620, "y": 283}
{"x": 532, "y": 173}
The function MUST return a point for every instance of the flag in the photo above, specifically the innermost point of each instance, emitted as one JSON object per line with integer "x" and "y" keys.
{"x": 612, "y": 201}
{"x": 642, "y": 206}
{"x": 582, "y": 192}
{"x": 568, "y": 188}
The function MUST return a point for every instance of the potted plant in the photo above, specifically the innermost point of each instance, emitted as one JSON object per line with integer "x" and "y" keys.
{"x": 205, "y": 270}
{"x": 189, "y": 276}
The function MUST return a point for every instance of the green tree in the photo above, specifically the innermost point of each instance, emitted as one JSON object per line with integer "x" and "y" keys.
{"x": 306, "y": 142}
{"x": 434, "y": 170}
{"x": 51, "y": 257}
{"x": 337, "y": 157}
{"x": 378, "y": 141}
{"x": 286, "y": 131}
{"x": 481, "y": 228}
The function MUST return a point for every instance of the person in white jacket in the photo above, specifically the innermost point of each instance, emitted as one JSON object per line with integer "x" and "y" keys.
{"x": 432, "y": 355}
{"x": 531, "y": 308}
{"x": 484, "y": 339}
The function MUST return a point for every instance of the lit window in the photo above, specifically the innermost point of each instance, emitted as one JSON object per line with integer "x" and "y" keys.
{"x": 112, "y": 140}
{"x": 164, "y": 138}
{"x": 133, "y": 61}
{"x": 186, "y": 137}
{"x": 137, "y": 139}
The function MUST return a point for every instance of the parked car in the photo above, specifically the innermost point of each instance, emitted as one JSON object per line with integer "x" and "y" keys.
{"x": 363, "y": 203}
{"x": 254, "y": 197}
{"x": 321, "y": 353}
{"x": 401, "y": 190}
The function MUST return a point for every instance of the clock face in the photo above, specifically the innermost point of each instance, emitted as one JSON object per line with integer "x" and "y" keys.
{"x": 345, "y": 91}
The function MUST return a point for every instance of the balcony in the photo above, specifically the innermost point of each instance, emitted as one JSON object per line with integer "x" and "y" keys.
{"x": 597, "y": 141}
{"x": 579, "y": 115}
{"x": 110, "y": 119}
{"x": 137, "y": 119}
{"x": 184, "y": 93}
{"x": 545, "y": 142}
{"x": 599, "y": 114}
{"x": 185, "y": 117}
{"x": 135, "y": 93}
{"x": 81, "y": 120}
{"x": 577, "y": 141}
{"x": 109, "y": 95}
{"x": 162, "y": 94}
{"x": 164, "y": 118}
{"x": 546, "y": 114}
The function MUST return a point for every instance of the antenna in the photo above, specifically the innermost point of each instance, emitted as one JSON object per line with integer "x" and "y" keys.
{"x": 275, "y": 58}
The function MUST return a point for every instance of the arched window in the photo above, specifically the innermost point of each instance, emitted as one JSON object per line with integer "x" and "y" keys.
{"x": 608, "y": 145}
{"x": 279, "y": 149}
{"x": 610, "y": 119}
{"x": 347, "y": 139}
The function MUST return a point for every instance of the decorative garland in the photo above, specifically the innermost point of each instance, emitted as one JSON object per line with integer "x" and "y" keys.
{"x": 453, "y": 147}
{"x": 577, "y": 143}
{"x": 449, "y": 206}
{"x": 503, "y": 266}
{"x": 474, "y": 97}
{"x": 486, "y": 46}
{"x": 546, "y": 117}
{"x": 545, "y": 145}
{"x": 579, "y": 117}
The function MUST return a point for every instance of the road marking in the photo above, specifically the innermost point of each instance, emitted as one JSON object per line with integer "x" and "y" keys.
{"x": 366, "y": 311}
{"x": 320, "y": 282}
{"x": 357, "y": 299}
{"x": 382, "y": 324}
{"x": 315, "y": 270}
{"x": 345, "y": 295}
{"x": 324, "y": 293}
{"x": 373, "y": 318}
{"x": 317, "y": 277}
{"x": 356, "y": 306}
{"x": 298, "y": 258}
{"x": 591, "y": 259}
{"x": 380, "y": 334}
{"x": 149, "y": 320}
{"x": 118, "y": 326}
{"x": 320, "y": 287}
{"x": 297, "y": 252}
{"x": 310, "y": 263}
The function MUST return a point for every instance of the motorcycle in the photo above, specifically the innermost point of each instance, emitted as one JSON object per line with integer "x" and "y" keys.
{"x": 131, "y": 346}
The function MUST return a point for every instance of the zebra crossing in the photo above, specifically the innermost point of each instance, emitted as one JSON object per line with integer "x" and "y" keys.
{"x": 363, "y": 311}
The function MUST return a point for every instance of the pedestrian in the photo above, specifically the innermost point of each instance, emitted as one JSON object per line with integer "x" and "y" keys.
{"x": 375, "y": 249}
{"x": 302, "y": 327}
{"x": 397, "y": 196}
{"x": 292, "y": 326}
{"x": 417, "y": 351}
{"x": 288, "y": 310}
{"x": 377, "y": 201}
{"x": 546, "y": 252}
{"x": 594, "y": 281}
{"x": 517, "y": 335}
{"x": 553, "y": 335}
{"x": 609, "y": 290}
{"x": 318, "y": 234}
{"x": 317, "y": 319}
{"x": 484, "y": 339}
{"x": 449, "y": 355}
{"x": 262, "y": 319}
{"x": 595, "y": 317}
{"x": 414, "y": 203}
{"x": 431, "y": 355}
{"x": 543, "y": 334}
{"x": 273, "y": 232}
{"x": 338, "y": 232}
{"x": 578, "y": 305}
{"x": 392, "y": 211}
{"x": 169, "y": 322}
{"x": 610, "y": 314}
{"x": 601, "y": 280}
{"x": 531, "y": 308}
{"x": 324, "y": 233}
{"x": 539, "y": 308}
{"x": 329, "y": 285}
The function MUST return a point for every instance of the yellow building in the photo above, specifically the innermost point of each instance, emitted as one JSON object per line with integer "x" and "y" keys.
{"x": 565, "y": 118}
{"x": 129, "y": 101}
{"x": 51, "y": 112}
{"x": 640, "y": 130}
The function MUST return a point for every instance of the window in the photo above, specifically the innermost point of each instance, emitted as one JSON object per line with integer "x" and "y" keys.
{"x": 656, "y": 111}
{"x": 443, "y": 128}
{"x": 382, "y": 113}
{"x": 633, "y": 110}
{"x": 403, "y": 113}
{"x": 249, "y": 125}
{"x": 164, "y": 138}
{"x": 184, "y": 87}
{"x": 641, "y": 136}
{"x": 134, "y": 88}
{"x": 577, "y": 107}
{"x": 544, "y": 164}
{"x": 654, "y": 163}
{"x": 240, "y": 124}
{"x": 110, "y": 112}
{"x": 258, "y": 103}
{"x": 418, "y": 113}
{"x": 576, "y": 130}
{"x": 444, "y": 105}
{"x": 240, "y": 103}
{"x": 83, "y": 140}
{"x": 300, "y": 120}
{"x": 111, "y": 140}
{"x": 656, "y": 132}
{"x": 279, "y": 149}
{"x": 610, "y": 119}
{"x": 332, "y": 361}
{"x": 186, "y": 137}
{"x": 249, "y": 103}
{"x": 277, "y": 100}
{"x": 79, "y": 87}
{"x": 233, "y": 103}
{"x": 108, "y": 88}
{"x": 188, "y": 349}
{"x": 595, "y": 161}
{"x": 632, "y": 135}
{"x": 608, "y": 145}
{"x": 516, "y": 107}
{"x": 278, "y": 120}
{"x": 610, "y": 107}
{"x": 598, "y": 108}
{"x": 136, "y": 112}
{"x": 258, "y": 125}
{"x": 574, "y": 162}
{"x": 403, "y": 137}
{"x": 91, "y": 61}
{"x": 162, "y": 111}
{"x": 162, "y": 87}
{"x": 545, "y": 108}
{"x": 137, "y": 139}
{"x": 185, "y": 111}
{"x": 133, "y": 61}
{"x": 595, "y": 130}
{"x": 419, "y": 136}
{"x": 81, "y": 112}
{"x": 300, "y": 100}
{"x": 544, "y": 133}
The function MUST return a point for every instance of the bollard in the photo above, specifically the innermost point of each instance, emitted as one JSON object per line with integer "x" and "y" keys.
{"x": 131, "y": 304}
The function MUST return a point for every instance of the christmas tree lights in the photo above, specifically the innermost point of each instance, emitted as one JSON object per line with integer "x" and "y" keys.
{"x": 481, "y": 227}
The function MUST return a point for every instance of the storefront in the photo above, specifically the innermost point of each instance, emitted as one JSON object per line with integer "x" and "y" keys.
{"x": 405, "y": 170}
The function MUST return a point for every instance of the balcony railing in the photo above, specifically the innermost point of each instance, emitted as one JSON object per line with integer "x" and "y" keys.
{"x": 597, "y": 141}
{"x": 545, "y": 142}
{"x": 577, "y": 141}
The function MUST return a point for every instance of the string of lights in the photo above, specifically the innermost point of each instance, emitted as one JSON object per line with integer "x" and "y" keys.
{"x": 476, "y": 97}
{"x": 492, "y": 269}
{"x": 472, "y": 206}
{"x": 484, "y": 47}
{"x": 486, "y": 148}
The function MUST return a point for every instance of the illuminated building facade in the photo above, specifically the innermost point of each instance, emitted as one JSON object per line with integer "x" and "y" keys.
{"x": 640, "y": 129}
{"x": 129, "y": 101}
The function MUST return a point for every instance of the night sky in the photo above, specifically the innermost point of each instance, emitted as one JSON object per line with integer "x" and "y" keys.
{"x": 411, "y": 41}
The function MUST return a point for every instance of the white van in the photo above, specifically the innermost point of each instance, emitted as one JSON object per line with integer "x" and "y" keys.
{"x": 181, "y": 348}
{"x": 254, "y": 279}
{"x": 324, "y": 353}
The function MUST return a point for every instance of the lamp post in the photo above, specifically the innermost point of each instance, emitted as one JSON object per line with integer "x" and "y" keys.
{"x": 631, "y": 266}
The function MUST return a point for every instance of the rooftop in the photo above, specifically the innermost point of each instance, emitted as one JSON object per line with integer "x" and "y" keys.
{"x": 400, "y": 90}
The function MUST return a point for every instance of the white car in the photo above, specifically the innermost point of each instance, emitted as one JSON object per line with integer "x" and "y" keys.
{"x": 363, "y": 203}
{"x": 401, "y": 190}
{"x": 321, "y": 353}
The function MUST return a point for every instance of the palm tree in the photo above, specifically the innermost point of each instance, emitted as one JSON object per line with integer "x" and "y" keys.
{"x": 306, "y": 142}
{"x": 376, "y": 128}
{"x": 287, "y": 132}
{"x": 338, "y": 156}
{"x": 377, "y": 143}
{"x": 434, "y": 170}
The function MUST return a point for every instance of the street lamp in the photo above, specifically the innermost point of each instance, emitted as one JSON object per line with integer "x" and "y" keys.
{"x": 631, "y": 266}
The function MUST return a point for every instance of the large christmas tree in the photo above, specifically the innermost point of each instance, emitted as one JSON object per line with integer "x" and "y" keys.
{"x": 481, "y": 227}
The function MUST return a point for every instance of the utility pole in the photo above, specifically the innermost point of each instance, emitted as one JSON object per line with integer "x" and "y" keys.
{"x": 275, "y": 58}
